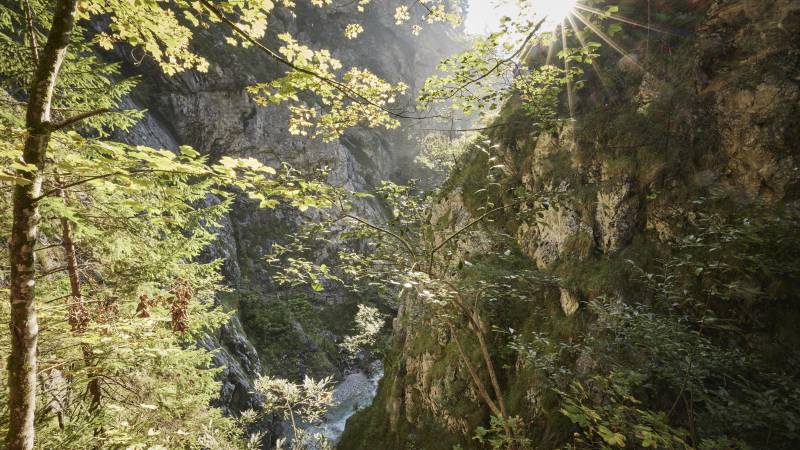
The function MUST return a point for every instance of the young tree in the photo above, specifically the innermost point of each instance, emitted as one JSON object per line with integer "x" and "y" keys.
{"x": 414, "y": 254}
{"x": 24, "y": 326}
{"x": 411, "y": 256}
{"x": 306, "y": 402}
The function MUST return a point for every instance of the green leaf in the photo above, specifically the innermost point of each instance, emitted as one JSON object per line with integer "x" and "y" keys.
{"x": 611, "y": 437}
{"x": 188, "y": 151}
{"x": 14, "y": 179}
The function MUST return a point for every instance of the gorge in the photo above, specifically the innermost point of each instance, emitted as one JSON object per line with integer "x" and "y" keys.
{"x": 578, "y": 236}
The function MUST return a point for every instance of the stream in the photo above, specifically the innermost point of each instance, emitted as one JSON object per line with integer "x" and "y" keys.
{"x": 353, "y": 393}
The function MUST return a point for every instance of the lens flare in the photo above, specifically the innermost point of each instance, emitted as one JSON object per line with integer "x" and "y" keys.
{"x": 555, "y": 10}
{"x": 558, "y": 9}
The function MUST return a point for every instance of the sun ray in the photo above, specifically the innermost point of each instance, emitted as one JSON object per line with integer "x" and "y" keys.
{"x": 551, "y": 51}
{"x": 556, "y": 10}
{"x": 605, "y": 38}
{"x": 595, "y": 66}
{"x": 570, "y": 95}
{"x": 622, "y": 19}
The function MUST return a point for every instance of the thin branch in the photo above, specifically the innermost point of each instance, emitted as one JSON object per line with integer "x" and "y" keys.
{"x": 31, "y": 33}
{"x": 57, "y": 270}
{"x": 683, "y": 388}
{"x": 76, "y": 183}
{"x": 487, "y": 358}
{"x": 13, "y": 102}
{"x": 107, "y": 175}
{"x": 465, "y": 130}
{"x": 474, "y": 374}
{"x": 38, "y": 249}
{"x": 468, "y": 226}
{"x": 78, "y": 118}
{"x": 386, "y": 231}
{"x": 454, "y": 91}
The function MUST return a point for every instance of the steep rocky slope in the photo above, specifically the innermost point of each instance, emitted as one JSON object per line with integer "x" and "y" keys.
{"x": 687, "y": 125}
{"x": 213, "y": 113}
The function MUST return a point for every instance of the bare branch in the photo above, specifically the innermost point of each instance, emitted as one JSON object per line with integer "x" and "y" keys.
{"x": 482, "y": 391}
{"x": 477, "y": 327}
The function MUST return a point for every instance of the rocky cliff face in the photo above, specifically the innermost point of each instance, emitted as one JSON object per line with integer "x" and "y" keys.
{"x": 711, "y": 112}
{"x": 213, "y": 113}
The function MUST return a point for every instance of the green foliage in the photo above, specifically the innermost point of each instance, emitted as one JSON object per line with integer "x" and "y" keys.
{"x": 540, "y": 89}
{"x": 305, "y": 402}
{"x": 164, "y": 31}
{"x": 86, "y": 82}
{"x": 342, "y": 100}
{"x": 441, "y": 153}
{"x": 138, "y": 239}
{"x": 687, "y": 365}
{"x": 691, "y": 344}
{"x": 462, "y": 81}
{"x": 369, "y": 322}
{"x": 119, "y": 365}
{"x": 289, "y": 331}
{"x": 495, "y": 437}
{"x": 140, "y": 218}
{"x": 610, "y": 416}
{"x": 484, "y": 77}
{"x": 747, "y": 257}
{"x": 379, "y": 267}
{"x": 414, "y": 259}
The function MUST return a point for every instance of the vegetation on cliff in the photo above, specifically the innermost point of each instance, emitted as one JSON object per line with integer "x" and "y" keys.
{"x": 611, "y": 261}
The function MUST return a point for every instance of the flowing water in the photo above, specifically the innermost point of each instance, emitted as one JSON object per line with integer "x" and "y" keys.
{"x": 354, "y": 392}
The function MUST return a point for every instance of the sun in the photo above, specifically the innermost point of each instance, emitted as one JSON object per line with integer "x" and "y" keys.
{"x": 484, "y": 15}
{"x": 555, "y": 11}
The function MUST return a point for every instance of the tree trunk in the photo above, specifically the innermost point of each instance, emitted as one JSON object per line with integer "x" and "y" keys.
{"x": 476, "y": 325}
{"x": 23, "y": 326}
{"x": 482, "y": 391}
{"x": 78, "y": 315}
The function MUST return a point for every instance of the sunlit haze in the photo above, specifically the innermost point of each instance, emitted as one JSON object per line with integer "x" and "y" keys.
{"x": 484, "y": 16}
